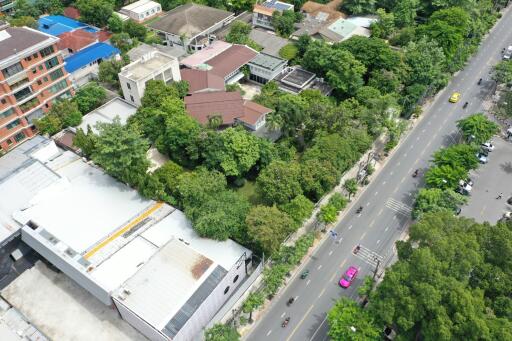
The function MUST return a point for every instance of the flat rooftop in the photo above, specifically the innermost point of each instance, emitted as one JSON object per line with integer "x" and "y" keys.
{"x": 298, "y": 77}
{"x": 15, "y": 40}
{"x": 116, "y": 107}
{"x": 145, "y": 67}
{"x": 140, "y": 6}
{"x": 267, "y": 61}
{"x": 201, "y": 57}
{"x": 62, "y": 310}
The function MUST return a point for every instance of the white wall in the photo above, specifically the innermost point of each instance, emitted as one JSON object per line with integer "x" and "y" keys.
{"x": 139, "y": 324}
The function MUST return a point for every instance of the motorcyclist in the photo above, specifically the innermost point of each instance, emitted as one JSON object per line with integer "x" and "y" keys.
{"x": 285, "y": 322}
{"x": 291, "y": 300}
{"x": 415, "y": 174}
{"x": 465, "y": 105}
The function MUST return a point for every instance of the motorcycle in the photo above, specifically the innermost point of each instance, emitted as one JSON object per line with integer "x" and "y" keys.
{"x": 465, "y": 105}
{"x": 304, "y": 274}
{"x": 285, "y": 322}
{"x": 480, "y": 81}
{"x": 359, "y": 210}
{"x": 415, "y": 174}
{"x": 357, "y": 248}
{"x": 290, "y": 301}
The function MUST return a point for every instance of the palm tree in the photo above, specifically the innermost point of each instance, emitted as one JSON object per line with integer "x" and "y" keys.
{"x": 273, "y": 121}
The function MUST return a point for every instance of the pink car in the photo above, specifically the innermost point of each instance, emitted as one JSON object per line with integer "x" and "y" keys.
{"x": 348, "y": 277}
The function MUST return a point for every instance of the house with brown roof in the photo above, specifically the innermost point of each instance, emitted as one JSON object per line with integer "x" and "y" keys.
{"x": 222, "y": 59}
{"x": 318, "y": 16}
{"x": 229, "y": 106}
{"x": 191, "y": 25}
{"x": 202, "y": 81}
{"x": 72, "y": 12}
{"x": 262, "y": 13}
{"x": 73, "y": 41}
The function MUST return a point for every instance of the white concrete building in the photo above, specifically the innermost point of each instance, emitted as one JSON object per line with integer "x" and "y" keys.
{"x": 117, "y": 107}
{"x": 154, "y": 65}
{"x": 138, "y": 256}
{"x": 262, "y": 13}
{"x": 142, "y": 10}
{"x": 264, "y": 68}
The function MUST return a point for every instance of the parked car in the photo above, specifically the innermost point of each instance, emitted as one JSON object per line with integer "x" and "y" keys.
{"x": 488, "y": 146}
{"x": 348, "y": 277}
{"x": 482, "y": 158}
{"x": 507, "y": 55}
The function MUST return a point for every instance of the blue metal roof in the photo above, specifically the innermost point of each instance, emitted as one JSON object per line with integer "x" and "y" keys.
{"x": 90, "y": 54}
{"x": 58, "y": 24}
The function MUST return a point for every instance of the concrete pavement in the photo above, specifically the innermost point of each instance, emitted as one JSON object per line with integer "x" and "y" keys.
{"x": 387, "y": 203}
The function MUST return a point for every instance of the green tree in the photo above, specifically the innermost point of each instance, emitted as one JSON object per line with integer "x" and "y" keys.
{"x": 253, "y": 302}
{"x": 268, "y": 227}
{"x": 477, "y": 128}
{"x": 90, "y": 97}
{"x": 435, "y": 200}
{"x": 232, "y": 151}
{"x": 299, "y": 209}
{"x": 303, "y": 44}
{"x": 108, "y": 72}
{"x": 283, "y": 22}
{"x": 197, "y": 186}
{"x": 502, "y": 72}
{"x": 123, "y": 41}
{"x": 445, "y": 177}
{"x": 135, "y": 30}
{"x": 359, "y": 6}
{"x": 348, "y": 321}
{"x": 121, "y": 151}
{"x": 25, "y": 8}
{"x": 350, "y": 185}
{"x": 239, "y": 33}
{"x": 23, "y": 21}
{"x": 462, "y": 155}
{"x": 279, "y": 182}
{"x": 220, "y": 216}
{"x": 425, "y": 60}
{"x": 181, "y": 87}
{"x": 328, "y": 214}
{"x": 115, "y": 24}
{"x": 385, "y": 26}
{"x": 95, "y": 12}
{"x": 61, "y": 115}
{"x": 85, "y": 141}
{"x": 221, "y": 332}
{"x": 168, "y": 175}
{"x": 49, "y": 6}
{"x": 317, "y": 178}
{"x": 49, "y": 124}
{"x": 405, "y": 12}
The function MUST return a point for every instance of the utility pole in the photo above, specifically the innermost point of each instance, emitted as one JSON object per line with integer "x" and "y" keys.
{"x": 376, "y": 269}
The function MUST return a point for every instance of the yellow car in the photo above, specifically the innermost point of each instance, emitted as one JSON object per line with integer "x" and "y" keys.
{"x": 454, "y": 98}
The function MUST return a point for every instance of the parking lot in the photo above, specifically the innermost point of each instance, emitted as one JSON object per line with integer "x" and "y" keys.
{"x": 491, "y": 180}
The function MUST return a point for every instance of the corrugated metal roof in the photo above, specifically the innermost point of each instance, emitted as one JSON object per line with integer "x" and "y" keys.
{"x": 90, "y": 54}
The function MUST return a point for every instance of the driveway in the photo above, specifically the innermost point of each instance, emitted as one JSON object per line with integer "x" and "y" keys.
{"x": 490, "y": 180}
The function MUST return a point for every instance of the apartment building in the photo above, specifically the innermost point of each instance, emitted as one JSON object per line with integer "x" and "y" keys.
{"x": 32, "y": 76}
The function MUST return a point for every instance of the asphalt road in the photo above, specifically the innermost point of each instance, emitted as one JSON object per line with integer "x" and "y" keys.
{"x": 387, "y": 203}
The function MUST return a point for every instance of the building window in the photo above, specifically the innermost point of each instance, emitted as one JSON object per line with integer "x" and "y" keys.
{"x": 226, "y": 290}
{"x": 13, "y": 124}
{"x": 28, "y": 59}
{"x": 19, "y": 136}
{"x": 51, "y": 63}
{"x": 35, "y": 55}
{"x": 9, "y": 142}
{"x": 128, "y": 86}
{"x": 45, "y": 79}
{"x": 40, "y": 67}
{"x": 3, "y": 101}
{"x": 235, "y": 279}
{"x": 56, "y": 74}
{"x": 34, "y": 71}
{"x": 132, "y": 99}
{"x": 39, "y": 82}
{"x": 58, "y": 86}
{"x": 46, "y": 51}
{"x": 12, "y": 70}
{"x": 22, "y": 94}
{"x": 6, "y": 113}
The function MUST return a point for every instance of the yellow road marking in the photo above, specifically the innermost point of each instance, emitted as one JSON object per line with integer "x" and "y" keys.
{"x": 300, "y": 322}
{"x": 123, "y": 230}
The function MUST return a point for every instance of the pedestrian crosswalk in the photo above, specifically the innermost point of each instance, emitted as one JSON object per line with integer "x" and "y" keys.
{"x": 369, "y": 256}
{"x": 398, "y": 207}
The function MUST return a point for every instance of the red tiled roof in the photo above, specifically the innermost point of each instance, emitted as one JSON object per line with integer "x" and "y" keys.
{"x": 263, "y": 10}
{"x": 71, "y": 12}
{"x": 75, "y": 40}
{"x": 229, "y": 105}
{"x": 202, "y": 106}
{"x": 200, "y": 80}
{"x": 253, "y": 112}
{"x": 231, "y": 60}
{"x": 103, "y": 35}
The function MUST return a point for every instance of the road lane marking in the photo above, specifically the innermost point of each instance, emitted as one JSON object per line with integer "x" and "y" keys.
{"x": 423, "y": 130}
{"x": 391, "y": 173}
{"x": 394, "y": 217}
{"x": 300, "y": 322}
{"x": 398, "y": 163}
{"x": 330, "y": 252}
{"x": 395, "y": 190}
{"x": 333, "y": 275}
{"x": 387, "y": 228}
{"x": 373, "y": 222}
{"x": 368, "y": 203}
{"x": 270, "y": 331}
{"x": 374, "y": 194}
{"x": 405, "y": 154}
{"x": 320, "y": 326}
{"x": 378, "y": 241}
{"x": 403, "y": 179}
{"x": 307, "y": 283}
{"x": 483, "y": 209}
{"x": 362, "y": 236}
{"x": 343, "y": 263}
{"x": 321, "y": 293}
{"x": 383, "y": 182}
{"x": 417, "y": 139}
{"x": 378, "y": 214}
{"x": 350, "y": 227}
{"x": 319, "y": 267}
{"x": 398, "y": 206}
{"x": 282, "y": 315}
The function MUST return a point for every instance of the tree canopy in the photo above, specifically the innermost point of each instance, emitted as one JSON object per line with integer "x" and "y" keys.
{"x": 477, "y": 128}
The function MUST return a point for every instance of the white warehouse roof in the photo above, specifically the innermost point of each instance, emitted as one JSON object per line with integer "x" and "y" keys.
{"x": 106, "y": 113}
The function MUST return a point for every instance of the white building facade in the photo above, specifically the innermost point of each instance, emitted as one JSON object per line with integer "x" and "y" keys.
{"x": 142, "y": 10}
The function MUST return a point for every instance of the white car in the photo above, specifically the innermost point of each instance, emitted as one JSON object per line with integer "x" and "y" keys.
{"x": 507, "y": 55}
{"x": 482, "y": 158}
{"x": 488, "y": 146}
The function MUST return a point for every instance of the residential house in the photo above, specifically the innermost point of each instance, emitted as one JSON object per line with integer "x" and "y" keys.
{"x": 316, "y": 17}
{"x": 295, "y": 80}
{"x": 342, "y": 29}
{"x": 222, "y": 59}
{"x": 264, "y": 68}
{"x": 202, "y": 81}
{"x": 191, "y": 25}
{"x": 71, "y": 12}
{"x": 58, "y": 24}
{"x": 262, "y": 13}
{"x": 143, "y": 48}
{"x": 229, "y": 106}
{"x": 154, "y": 65}
{"x": 7, "y": 6}
{"x": 140, "y": 257}
{"x": 32, "y": 77}
{"x": 269, "y": 41}
{"x": 142, "y": 10}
